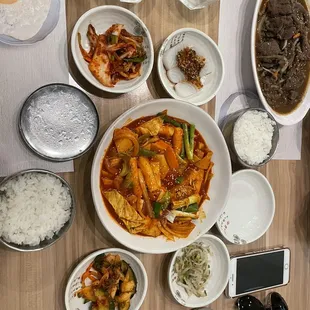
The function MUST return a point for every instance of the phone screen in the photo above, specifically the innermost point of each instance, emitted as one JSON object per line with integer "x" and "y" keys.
{"x": 259, "y": 271}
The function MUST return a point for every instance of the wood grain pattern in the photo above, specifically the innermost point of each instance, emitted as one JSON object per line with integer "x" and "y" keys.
{"x": 36, "y": 281}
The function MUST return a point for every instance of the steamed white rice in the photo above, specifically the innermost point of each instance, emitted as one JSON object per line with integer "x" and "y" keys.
{"x": 33, "y": 207}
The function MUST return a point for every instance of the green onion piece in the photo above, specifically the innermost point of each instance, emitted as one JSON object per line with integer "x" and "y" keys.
{"x": 188, "y": 151}
{"x": 142, "y": 139}
{"x": 171, "y": 121}
{"x": 179, "y": 180}
{"x": 191, "y": 137}
{"x": 128, "y": 181}
{"x": 157, "y": 208}
{"x": 146, "y": 153}
{"x": 125, "y": 169}
{"x": 193, "y": 208}
{"x": 165, "y": 200}
{"x": 182, "y": 155}
{"x": 135, "y": 59}
{"x": 111, "y": 305}
{"x": 113, "y": 39}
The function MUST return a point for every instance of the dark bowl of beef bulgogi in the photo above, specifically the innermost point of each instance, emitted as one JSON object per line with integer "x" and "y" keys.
{"x": 280, "y": 51}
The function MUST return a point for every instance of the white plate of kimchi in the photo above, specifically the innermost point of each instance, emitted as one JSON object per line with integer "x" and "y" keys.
{"x": 112, "y": 49}
{"x": 161, "y": 176}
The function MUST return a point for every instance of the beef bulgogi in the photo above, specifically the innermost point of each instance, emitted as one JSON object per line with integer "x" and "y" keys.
{"x": 283, "y": 52}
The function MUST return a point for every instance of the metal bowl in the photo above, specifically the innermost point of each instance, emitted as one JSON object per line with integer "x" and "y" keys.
{"x": 59, "y": 122}
{"x": 228, "y": 132}
{"x": 47, "y": 242}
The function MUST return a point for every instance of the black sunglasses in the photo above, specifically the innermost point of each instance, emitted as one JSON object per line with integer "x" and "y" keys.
{"x": 275, "y": 302}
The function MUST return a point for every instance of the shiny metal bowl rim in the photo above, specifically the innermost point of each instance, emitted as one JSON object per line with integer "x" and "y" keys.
{"x": 275, "y": 136}
{"x": 66, "y": 226}
{"x": 50, "y": 158}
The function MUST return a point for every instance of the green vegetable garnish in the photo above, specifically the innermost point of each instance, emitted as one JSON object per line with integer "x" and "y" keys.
{"x": 98, "y": 262}
{"x": 113, "y": 39}
{"x": 146, "y": 153}
{"x": 128, "y": 181}
{"x": 193, "y": 208}
{"x": 165, "y": 200}
{"x": 182, "y": 155}
{"x": 157, "y": 208}
{"x": 179, "y": 180}
{"x": 135, "y": 59}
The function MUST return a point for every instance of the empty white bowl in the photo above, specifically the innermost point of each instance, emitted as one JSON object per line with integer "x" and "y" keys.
{"x": 219, "y": 274}
{"x": 250, "y": 208}
{"x": 102, "y": 18}
{"x": 47, "y": 27}
{"x": 204, "y": 46}
{"x": 74, "y": 284}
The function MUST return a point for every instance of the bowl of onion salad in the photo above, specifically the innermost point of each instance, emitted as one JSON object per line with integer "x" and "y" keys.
{"x": 198, "y": 273}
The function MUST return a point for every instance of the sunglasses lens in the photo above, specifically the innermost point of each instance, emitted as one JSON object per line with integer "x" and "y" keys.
{"x": 249, "y": 303}
{"x": 277, "y": 302}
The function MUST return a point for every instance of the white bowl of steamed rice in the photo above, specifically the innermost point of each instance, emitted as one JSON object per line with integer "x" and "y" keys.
{"x": 252, "y": 136}
{"x": 36, "y": 209}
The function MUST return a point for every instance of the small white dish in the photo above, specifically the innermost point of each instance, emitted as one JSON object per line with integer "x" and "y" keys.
{"x": 102, "y": 18}
{"x": 284, "y": 119}
{"x": 73, "y": 302}
{"x": 219, "y": 268}
{"x": 47, "y": 27}
{"x": 204, "y": 46}
{"x": 250, "y": 208}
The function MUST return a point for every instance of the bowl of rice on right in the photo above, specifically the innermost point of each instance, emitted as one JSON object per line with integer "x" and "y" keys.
{"x": 253, "y": 137}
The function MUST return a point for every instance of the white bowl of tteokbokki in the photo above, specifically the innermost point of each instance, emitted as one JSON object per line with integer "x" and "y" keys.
{"x": 161, "y": 176}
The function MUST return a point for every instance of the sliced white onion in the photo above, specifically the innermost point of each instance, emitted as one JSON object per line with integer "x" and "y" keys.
{"x": 170, "y": 217}
{"x": 170, "y": 59}
{"x": 185, "y": 89}
{"x": 175, "y": 75}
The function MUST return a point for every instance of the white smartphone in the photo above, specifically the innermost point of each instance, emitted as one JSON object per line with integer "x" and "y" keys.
{"x": 258, "y": 271}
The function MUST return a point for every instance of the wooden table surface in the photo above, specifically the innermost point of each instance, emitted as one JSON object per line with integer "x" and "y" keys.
{"x": 36, "y": 281}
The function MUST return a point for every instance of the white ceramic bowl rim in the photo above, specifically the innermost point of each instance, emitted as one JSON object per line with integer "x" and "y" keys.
{"x": 74, "y": 51}
{"x": 227, "y": 256}
{"x": 92, "y": 256}
{"x": 266, "y": 182}
{"x": 98, "y": 159}
{"x": 162, "y": 50}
